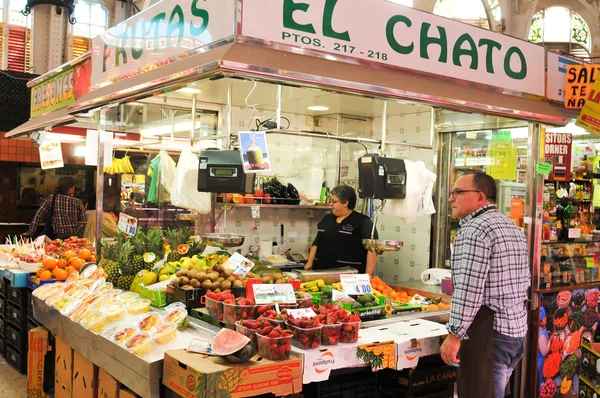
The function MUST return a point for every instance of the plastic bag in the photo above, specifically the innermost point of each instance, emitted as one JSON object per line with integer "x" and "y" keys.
{"x": 167, "y": 171}
{"x": 184, "y": 191}
{"x": 426, "y": 206}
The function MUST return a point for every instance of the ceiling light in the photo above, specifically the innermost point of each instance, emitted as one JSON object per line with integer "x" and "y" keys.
{"x": 189, "y": 90}
{"x": 80, "y": 151}
{"x": 66, "y": 137}
{"x": 165, "y": 129}
{"x": 318, "y": 108}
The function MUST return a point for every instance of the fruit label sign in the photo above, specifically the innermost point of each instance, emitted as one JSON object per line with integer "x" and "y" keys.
{"x": 239, "y": 264}
{"x": 269, "y": 294}
{"x": 300, "y": 312}
{"x": 254, "y": 151}
{"x": 200, "y": 346}
{"x": 354, "y": 284}
{"x": 127, "y": 224}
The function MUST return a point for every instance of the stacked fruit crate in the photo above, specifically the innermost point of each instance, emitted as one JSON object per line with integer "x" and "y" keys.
{"x": 2, "y": 317}
{"x": 15, "y": 326}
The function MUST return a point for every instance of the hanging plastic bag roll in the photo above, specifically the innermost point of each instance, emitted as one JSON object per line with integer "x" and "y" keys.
{"x": 184, "y": 192}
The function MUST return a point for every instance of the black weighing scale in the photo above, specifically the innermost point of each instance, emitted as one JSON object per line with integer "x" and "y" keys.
{"x": 381, "y": 178}
{"x": 223, "y": 171}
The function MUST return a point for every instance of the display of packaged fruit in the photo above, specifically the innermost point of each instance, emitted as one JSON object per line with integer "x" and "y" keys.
{"x": 263, "y": 308}
{"x": 91, "y": 298}
{"x": 81, "y": 312}
{"x": 60, "y": 302}
{"x": 214, "y": 308}
{"x": 102, "y": 301}
{"x": 306, "y": 332}
{"x": 44, "y": 291}
{"x": 113, "y": 312}
{"x": 330, "y": 335}
{"x": 276, "y": 319}
{"x": 238, "y": 309}
{"x": 140, "y": 344}
{"x": 79, "y": 292}
{"x": 276, "y": 345}
{"x": 304, "y": 300}
{"x": 57, "y": 294}
{"x": 126, "y": 297}
{"x": 176, "y": 315}
{"x": 165, "y": 333}
{"x": 89, "y": 271}
{"x": 349, "y": 331}
{"x": 138, "y": 306}
{"x": 246, "y": 331}
{"x": 68, "y": 308}
{"x": 148, "y": 321}
{"x": 290, "y": 306}
{"x": 94, "y": 322}
{"x": 72, "y": 278}
{"x": 121, "y": 335}
{"x": 95, "y": 274}
{"x": 106, "y": 287}
{"x": 97, "y": 284}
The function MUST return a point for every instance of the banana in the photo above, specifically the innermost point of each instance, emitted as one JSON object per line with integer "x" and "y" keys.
{"x": 313, "y": 289}
{"x": 311, "y": 284}
{"x": 321, "y": 283}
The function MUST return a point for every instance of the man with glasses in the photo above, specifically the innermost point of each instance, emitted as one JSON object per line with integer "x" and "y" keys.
{"x": 490, "y": 275}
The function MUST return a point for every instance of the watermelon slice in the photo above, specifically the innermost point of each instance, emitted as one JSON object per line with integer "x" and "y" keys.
{"x": 227, "y": 343}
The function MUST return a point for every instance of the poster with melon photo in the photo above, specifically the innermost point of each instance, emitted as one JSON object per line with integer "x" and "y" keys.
{"x": 254, "y": 151}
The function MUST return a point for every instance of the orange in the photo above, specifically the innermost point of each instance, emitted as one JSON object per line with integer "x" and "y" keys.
{"x": 39, "y": 271}
{"x": 45, "y": 275}
{"x": 85, "y": 254}
{"x": 69, "y": 254}
{"x": 78, "y": 263}
{"x": 92, "y": 259}
{"x": 60, "y": 274}
{"x": 62, "y": 263}
{"x": 70, "y": 270}
{"x": 49, "y": 263}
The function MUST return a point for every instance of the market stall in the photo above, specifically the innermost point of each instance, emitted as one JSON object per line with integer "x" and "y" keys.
{"x": 308, "y": 97}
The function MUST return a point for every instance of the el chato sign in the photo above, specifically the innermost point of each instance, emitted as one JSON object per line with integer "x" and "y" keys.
{"x": 61, "y": 90}
{"x": 395, "y": 35}
{"x": 153, "y": 37}
{"x": 557, "y": 150}
{"x": 580, "y": 80}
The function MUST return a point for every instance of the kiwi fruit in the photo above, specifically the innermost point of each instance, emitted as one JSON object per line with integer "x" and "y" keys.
{"x": 220, "y": 279}
{"x": 267, "y": 279}
{"x": 217, "y": 290}
{"x": 174, "y": 282}
{"x": 218, "y": 268}
{"x": 181, "y": 272}
{"x": 227, "y": 273}
{"x": 230, "y": 279}
{"x": 277, "y": 275}
{"x": 225, "y": 285}
{"x": 195, "y": 284}
{"x": 237, "y": 283}
{"x": 207, "y": 284}
{"x": 201, "y": 276}
{"x": 213, "y": 276}
{"x": 192, "y": 273}
{"x": 187, "y": 287}
{"x": 184, "y": 280}
{"x": 282, "y": 280}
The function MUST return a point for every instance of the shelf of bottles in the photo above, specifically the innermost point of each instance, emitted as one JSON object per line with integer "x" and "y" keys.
{"x": 569, "y": 263}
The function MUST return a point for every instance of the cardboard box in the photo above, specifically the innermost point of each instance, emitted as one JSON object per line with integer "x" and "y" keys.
{"x": 430, "y": 375}
{"x": 586, "y": 389}
{"x": 590, "y": 353}
{"x": 63, "y": 374}
{"x": 195, "y": 375}
{"x": 40, "y": 363}
{"x": 85, "y": 377}
{"x": 124, "y": 393}
{"x": 108, "y": 386}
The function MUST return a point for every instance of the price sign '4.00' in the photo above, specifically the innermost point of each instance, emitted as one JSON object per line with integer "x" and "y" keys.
{"x": 356, "y": 284}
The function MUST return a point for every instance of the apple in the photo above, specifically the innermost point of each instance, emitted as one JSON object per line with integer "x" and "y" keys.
{"x": 249, "y": 198}
{"x": 267, "y": 198}
{"x": 229, "y": 197}
{"x": 237, "y": 198}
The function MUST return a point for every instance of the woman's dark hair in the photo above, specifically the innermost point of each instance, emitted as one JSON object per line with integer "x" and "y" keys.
{"x": 484, "y": 183}
{"x": 91, "y": 201}
{"x": 64, "y": 184}
{"x": 345, "y": 193}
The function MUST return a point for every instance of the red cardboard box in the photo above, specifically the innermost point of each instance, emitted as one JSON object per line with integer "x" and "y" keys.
{"x": 40, "y": 363}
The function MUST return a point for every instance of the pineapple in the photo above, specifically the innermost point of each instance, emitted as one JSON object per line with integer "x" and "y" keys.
{"x": 196, "y": 247}
{"x": 176, "y": 237}
{"x": 124, "y": 260}
{"x": 154, "y": 244}
{"x": 139, "y": 245}
{"x": 111, "y": 267}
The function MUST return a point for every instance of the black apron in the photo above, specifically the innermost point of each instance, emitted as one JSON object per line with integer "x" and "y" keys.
{"x": 475, "y": 376}
{"x": 340, "y": 245}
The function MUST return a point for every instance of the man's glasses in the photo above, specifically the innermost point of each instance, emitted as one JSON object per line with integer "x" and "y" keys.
{"x": 457, "y": 192}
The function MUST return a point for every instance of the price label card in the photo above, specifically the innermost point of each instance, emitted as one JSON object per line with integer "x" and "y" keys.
{"x": 128, "y": 224}
{"x": 300, "y": 312}
{"x": 278, "y": 293}
{"x": 239, "y": 264}
{"x": 200, "y": 346}
{"x": 255, "y": 211}
{"x": 574, "y": 233}
{"x": 589, "y": 262}
{"x": 354, "y": 284}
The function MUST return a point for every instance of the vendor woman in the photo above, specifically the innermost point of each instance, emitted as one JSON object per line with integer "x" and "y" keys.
{"x": 340, "y": 234}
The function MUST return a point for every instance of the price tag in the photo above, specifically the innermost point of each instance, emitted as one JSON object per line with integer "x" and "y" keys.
{"x": 589, "y": 262}
{"x": 255, "y": 211}
{"x": 354, "y": 284}
{"x": 575, "y": 233}
{"x": 239, "y": 264}
{"x": 200, "y": 346}
{"x": 300, "y": 312}
{"x": 543, "y": 168}
{"x": 269, "y": 294}
{"x": 128, "y": 224}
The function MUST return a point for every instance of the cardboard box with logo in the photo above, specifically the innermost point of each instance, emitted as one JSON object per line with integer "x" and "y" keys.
{"x": 590, "y": 355}
{"x": 85, "y": 377}
{"x": 108, "y": 386}
{"x": 195, "y": 375}
{"x": 40, "y": 363}
{"x": 63, "y": 374}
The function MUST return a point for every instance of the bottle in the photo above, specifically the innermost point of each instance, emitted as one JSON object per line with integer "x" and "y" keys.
{"x": 323, "y": 196}
{"x": 568, "y": 219}
{"x": 255, "y": 244}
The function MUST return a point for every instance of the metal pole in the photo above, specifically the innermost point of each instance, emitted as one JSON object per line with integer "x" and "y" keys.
{"x": 193, "y": 128}
{"x": 383, "y": 127}
{"x": 100, "y": 178}
{"x": 278, "y": 114}
{"x": 229, "y": 116}
{"x": 440, "y": 230}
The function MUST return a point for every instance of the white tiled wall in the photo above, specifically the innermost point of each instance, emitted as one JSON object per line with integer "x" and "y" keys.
{"x": 292, "y": 159}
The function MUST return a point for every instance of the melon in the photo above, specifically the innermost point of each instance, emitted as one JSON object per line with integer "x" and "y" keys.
{"x": 234, "y": 346}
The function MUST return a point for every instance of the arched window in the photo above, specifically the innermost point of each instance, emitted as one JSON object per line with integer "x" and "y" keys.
{"x": 92, "y": 20}
{"x": 561, "y": 28}
{"x": 15, "y": 43}
{"x": 468, "y": 11}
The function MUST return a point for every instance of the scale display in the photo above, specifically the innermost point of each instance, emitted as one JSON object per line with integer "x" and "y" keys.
{"x": 223, "y": 172}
